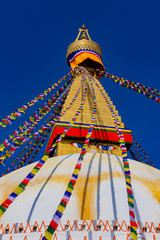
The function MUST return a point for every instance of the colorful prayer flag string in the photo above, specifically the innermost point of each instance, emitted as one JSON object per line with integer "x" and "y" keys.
{"x": 45, "y": 132}
{"x": 28, "y": 153}
{"x": 19, "y": 156}
{"x": 134, "y": 152}
{"x": 146, "y": 91}
{"x": 134, "y": 155}
{"x": 68, "y": 107}
{"x": 67, "y": 195}
{"x": 28, "y": 126}
{"x": 40, "y": 113}
{"x": 39, "y": 147}
{"x": 142, "y": 152}
{"x": 43, "y": 128}
{"x": 39, "y": 142}
{"x": 10, "y": 118}
{"x": 133, "y": 224}
{"x": 21, "y": 187}
{"x": 19, "y": 137}
{"x": 75, "y": 116}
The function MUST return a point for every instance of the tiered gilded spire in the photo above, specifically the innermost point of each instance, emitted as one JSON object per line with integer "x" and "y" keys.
{"x": 104, "y": 130}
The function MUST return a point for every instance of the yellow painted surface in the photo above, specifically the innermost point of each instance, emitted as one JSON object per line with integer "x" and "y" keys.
{"x": 65, "y": 147}
{"x": 103, "y": 116}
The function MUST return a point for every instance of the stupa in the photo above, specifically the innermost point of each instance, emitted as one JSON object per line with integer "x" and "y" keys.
{"x": 104, "y": 203}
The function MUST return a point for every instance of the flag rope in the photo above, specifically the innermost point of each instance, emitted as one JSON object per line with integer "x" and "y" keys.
{"x": 39, "y": 141}
{"x": 57, "y": 117}
{"x": 146, "y": 91}
{"x": 137, "y": 154}
{"x": 39, "y": 147}
{"x": 17, "y": 139}
{"x": 23, "y": 128}
{"x": 138, "y": 146}
{"x": 51, "y": 117}
{"x": 13, "y": 116}
{"x": 134, "y": 155}
{"x": 21, "y": 187}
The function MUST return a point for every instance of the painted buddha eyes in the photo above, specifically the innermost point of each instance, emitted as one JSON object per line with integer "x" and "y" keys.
{"x": 109, "y": 148}
{"x": 102, "y": 147}
{"x": 79, "y": 145}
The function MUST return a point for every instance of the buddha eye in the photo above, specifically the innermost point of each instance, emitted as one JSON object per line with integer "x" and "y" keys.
{"x": 79, "y": 145}
{"x": 109, "y": 148}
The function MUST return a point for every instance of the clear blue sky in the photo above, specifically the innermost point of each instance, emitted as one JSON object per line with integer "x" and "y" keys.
{"x": 33, "y": 44}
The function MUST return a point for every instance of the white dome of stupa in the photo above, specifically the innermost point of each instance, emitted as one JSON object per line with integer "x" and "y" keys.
{"x": 99, "y": 198}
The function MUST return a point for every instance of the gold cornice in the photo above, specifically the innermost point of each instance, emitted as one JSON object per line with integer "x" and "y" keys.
{"x": 84, "y": 44}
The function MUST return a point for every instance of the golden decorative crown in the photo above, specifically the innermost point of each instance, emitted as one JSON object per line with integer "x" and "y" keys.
{"x": 83, "y": 42}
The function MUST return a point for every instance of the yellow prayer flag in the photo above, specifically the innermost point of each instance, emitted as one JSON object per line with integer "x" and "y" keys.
{"x": 2, "y": 148}
{"x": 34, "y": 171}
{"x": 133, "y": 236}
{"x": 45, "y": 157}
{"x": 18, "y": 190}
{"x": 76, "y": 171}
{"x": 1, "y": 212}
{"x": 48, "y": 235}
{"x": 69, "y": 189}
{"x": 61, "y": 208}
{"x": 128, "y": 180}
{"x": 125, "y": 155}
{"x": 131, "y": 200}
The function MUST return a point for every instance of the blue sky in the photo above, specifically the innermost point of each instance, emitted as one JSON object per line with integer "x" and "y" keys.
{"x": 33, "y": 44}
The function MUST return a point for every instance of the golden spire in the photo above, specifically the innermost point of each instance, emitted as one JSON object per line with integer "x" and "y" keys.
{"x": 105, "y": 131}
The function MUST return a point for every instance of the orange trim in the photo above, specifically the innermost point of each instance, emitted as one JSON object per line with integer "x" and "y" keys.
{"x": 128, "y": 235}
{"x": 69, "y": 238}
{"x": 154, "y": 238}
{"x": 41, "y": 237}
{"x": 42, "y": 225}
{"x": 55, "y": 237}
{"x": 21, "y": 226}
{"x": 83, "y": 56}
{"x": 89, "y": 226}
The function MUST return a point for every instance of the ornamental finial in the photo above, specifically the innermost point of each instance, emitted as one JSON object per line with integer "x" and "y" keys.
{"x": 84, "y": 48}
{"x": 85, "y": 34}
